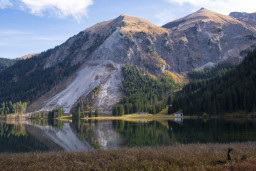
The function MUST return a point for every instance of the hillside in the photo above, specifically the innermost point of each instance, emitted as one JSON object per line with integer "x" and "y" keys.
{"x": 230, "y": 91}
{"x": 207, "y": 37}
{"x": 5, "y": 63}
{"x": 95, "y": 57}
{"x": 249, "y": 18}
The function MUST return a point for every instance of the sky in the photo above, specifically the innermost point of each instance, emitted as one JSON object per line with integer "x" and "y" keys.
{"x": 33, "y": 26}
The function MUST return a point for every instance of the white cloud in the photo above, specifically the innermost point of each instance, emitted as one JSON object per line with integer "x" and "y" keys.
{"x": 5, "y": 4}
{"x": 60, "y": 8}
{"x": 221, "y": 6}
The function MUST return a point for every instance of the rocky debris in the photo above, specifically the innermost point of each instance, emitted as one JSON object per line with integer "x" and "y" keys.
{"x": 93, "y": 74}
{"x": 197, "y": 40}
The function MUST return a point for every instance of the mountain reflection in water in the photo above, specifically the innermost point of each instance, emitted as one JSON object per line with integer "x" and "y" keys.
{"x": 81, "y": 135}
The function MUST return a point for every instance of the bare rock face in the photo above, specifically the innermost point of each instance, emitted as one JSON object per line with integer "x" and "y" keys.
{"x": 249, "y": 18}
{"x": 206, "y": 36}
{"x": 201, "y": 38}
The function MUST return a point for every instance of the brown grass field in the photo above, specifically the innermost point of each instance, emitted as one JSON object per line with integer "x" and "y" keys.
{"x": 180, "y": 157}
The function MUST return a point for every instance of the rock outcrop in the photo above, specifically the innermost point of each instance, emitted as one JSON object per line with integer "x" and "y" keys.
{"x": 249, "y": 18}
{"x": 197, "y": 40}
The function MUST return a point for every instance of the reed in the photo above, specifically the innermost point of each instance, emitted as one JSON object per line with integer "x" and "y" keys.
{"x": 180, "y": 157}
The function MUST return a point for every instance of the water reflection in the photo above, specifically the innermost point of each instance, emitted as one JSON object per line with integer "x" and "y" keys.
{"x": 80, "y": 135}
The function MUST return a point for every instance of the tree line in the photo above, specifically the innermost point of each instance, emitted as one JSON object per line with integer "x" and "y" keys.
{"x": 83, "y": 108}
{"x": 230, "y": 91}
{"x": 142, "y": 92}
{"x": 13, "y": 108}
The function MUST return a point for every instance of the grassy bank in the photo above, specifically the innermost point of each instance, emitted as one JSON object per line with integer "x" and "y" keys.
{"x": 185, "y": 157}
{"x": 136, "y": 117}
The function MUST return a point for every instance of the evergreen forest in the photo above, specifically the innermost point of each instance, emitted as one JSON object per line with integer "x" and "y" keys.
{"x": 228, "y": 91}
{"x": 142, "y": 92}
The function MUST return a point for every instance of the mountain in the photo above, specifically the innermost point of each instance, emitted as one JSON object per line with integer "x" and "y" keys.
{"x": 249, "y": 18}
{"x": 228, "y": 92}
{"x": 5, "y": 63}
{"x": 208, "y": 37}
{"x": 92, "y": 60}
{"x": 28, "y": 56}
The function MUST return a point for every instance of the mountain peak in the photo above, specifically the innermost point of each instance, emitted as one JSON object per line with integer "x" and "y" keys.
{"x": 127, "y": 23}
{"x": 136, "y": 24}
{"x": 202, "y": 15}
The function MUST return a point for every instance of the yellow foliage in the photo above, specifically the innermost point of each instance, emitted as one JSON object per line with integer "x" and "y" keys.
{"x": 161, "y": 60}
{"x": 153, "y": 76}
{"x": 175, "y": 76}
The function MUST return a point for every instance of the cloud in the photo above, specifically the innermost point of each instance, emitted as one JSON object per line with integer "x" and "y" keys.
{"x": 5, "y": 4}
{"x": 221, "y": 6}
{"x": 57, "y": 8}
{"x": 60, "y": 8}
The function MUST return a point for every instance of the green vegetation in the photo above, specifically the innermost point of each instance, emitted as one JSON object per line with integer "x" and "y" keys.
{"x": 52, "y": 115}
{"x": 56, "y": 123}
{"x": 5, "y": 63}
{"x": 83, "y": 109}
{"x": 13, "y": 108}
{"x": 14, "y": 138}
{"x": 55, "y": 113}
{"x": 142, "y": 92}
{"x": 96, "y": 113}
{"x": 28, "y": 79}
{"x": 232, "y": 90}
{"x": 150, "y": 134}
{"x": 84, "y": 106}
{"x": 180, "y": 157}
{"x": 38, "y": 115}
{"x": 209, "y": 73}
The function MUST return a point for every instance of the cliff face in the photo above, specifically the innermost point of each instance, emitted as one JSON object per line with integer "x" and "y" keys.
{"x": 199, "y": 39}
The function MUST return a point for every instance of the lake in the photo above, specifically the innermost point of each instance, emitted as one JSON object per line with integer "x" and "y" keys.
{"x": 81, "y": 135}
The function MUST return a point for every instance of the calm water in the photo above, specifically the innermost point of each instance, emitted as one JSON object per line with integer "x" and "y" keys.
{"x": 88, "y": 135}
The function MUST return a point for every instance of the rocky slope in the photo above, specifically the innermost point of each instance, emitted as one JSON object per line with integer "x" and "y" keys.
{"x": 208, "y": 37}
{"x": 249, "y": 18}
{"x": 182, "y": 45}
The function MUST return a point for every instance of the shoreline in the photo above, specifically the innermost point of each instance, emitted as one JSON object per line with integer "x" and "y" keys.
{"x": 135, "y": 117}
{"x": 138, "y": 117}
{"x": 185, "y": 157}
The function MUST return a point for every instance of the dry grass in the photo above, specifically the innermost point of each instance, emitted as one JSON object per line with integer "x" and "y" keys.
{"x": 181, "y": 157}
{"x": 164, "y": 111}
{"x": 137, "y": 117}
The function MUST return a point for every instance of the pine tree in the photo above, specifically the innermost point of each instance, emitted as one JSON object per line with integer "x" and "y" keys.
{"x": 96, "y": 112}
{"x": 90, "y": 114}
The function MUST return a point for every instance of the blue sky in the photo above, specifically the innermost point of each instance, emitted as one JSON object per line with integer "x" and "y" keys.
{"x": 32, "y": 26}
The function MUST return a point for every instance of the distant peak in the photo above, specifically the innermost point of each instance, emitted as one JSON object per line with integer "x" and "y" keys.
{"x": 204, "y": 10}
{"x": 204, "y": 15}
{"x": 125, "y": 15}
{"x": 129, "y": 17}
